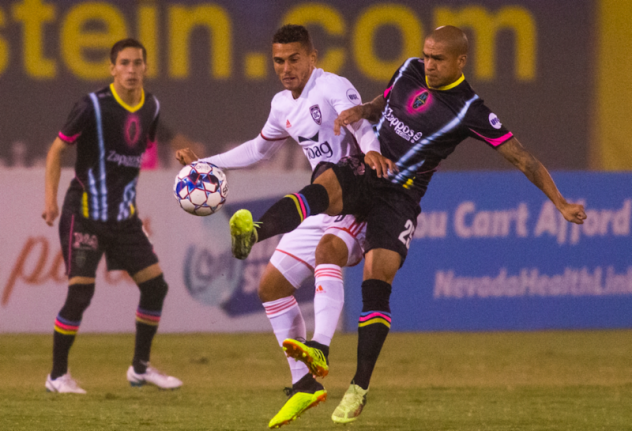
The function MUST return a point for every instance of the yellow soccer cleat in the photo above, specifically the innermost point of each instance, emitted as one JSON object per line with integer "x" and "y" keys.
{"x": 313, "y": 357}
{"x": 298, "y": 402}
{"x": 351, "y": 405}
{"x": 243, "y": 233}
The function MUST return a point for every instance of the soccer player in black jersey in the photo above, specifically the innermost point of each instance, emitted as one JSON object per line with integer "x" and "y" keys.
{"x": 110, "y": 128}
{"x": 427, "y": 109}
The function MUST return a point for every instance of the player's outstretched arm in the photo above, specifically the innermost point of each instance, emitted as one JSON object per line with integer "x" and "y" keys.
{"x": 242, "y": 156}
{"x": 515, "y": 153}
{"x": 369, "y": 111}
{"x": 51, "y": 181}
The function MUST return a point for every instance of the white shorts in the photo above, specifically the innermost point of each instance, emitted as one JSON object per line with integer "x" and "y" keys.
{"x": 295, "y": 255}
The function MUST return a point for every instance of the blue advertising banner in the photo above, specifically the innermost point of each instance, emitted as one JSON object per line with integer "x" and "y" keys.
{"x": 491, "y": 252}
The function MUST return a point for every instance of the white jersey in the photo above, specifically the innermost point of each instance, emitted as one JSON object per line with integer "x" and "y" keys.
{"x": 309, "y": 119}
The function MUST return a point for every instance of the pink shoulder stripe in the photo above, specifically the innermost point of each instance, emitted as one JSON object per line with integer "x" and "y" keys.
{"x": 387, "y": 92}
{"x": 69, "y": 139}
{"x": 495, "y": 142}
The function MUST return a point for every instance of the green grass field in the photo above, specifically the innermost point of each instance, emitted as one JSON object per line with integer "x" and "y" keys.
{"x": 432, "y": 381}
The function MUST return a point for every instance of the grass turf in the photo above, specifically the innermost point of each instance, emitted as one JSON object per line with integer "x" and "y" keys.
{"x": 429, "y": 381}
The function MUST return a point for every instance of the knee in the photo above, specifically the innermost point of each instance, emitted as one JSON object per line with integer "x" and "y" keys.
{"x": 332, "y": 250}
{"x": 274, "y": 285}
{"x": 153, "y": 292}
{"x": 272, "y": 291}
{"x": 79, "y": 297}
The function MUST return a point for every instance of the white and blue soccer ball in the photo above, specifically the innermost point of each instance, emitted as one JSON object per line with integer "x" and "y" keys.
{"x": 201, "y": 188}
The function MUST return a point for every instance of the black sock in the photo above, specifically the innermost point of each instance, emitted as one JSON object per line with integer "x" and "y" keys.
{"x": 67, "y": 324}
{"x": 289, "y": 212}
{"x": 307, "y": 383}
{"x": 61, "y": 348}
{"x": 321, "y": 347}
{"x": 373, "y": 327}
{"x": 152, "y": 295}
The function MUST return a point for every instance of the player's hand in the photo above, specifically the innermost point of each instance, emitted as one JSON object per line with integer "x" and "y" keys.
{"x": 186, "y": 156}
{"x": 348, "y": 116}
{"x": 380, "y": 164}
{"x": 573, "y": 213}
{"x": 51, "y": 211}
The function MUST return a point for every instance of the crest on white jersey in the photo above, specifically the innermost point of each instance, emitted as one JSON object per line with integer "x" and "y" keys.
{"x": 317, "y": 116}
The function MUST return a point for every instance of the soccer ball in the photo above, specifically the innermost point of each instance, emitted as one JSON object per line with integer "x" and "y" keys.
{"x": 201, "y": 188}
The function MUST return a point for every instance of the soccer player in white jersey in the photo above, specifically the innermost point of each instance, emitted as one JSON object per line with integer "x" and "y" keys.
{"x": 305, "y": 111}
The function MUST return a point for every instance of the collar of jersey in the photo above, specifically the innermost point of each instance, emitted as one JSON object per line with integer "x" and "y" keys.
{"x": 447, "y": 87}
{"x": 308, "y": 84}
{"x": 125, "y": 105}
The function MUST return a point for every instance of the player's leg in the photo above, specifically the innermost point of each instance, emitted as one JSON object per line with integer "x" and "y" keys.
{"x": 130, "y": 249}
{"x": 340, "y": 246}
{"x": 373, "y": 326}
{"x": 324, "y": 195}
{"x": 153, "y": 290}
{"x": 390, "y": 226}
{"x": 291, "y": 264}
{"x": 282, "y": 309}
{"x": 81, "y": 252}
{"x": 277, "y": 296}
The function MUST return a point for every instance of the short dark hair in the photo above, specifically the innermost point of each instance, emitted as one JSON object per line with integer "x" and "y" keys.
{"x": 291, "y": 33}
{"x": 126, "y": 43}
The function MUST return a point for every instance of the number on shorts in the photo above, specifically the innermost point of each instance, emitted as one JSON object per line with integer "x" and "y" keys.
{"x": 407, "y": 234}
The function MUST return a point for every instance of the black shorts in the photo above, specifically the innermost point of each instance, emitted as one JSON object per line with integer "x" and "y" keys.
{"x": 389, "y": 211}
{"x": 83, "y": 242}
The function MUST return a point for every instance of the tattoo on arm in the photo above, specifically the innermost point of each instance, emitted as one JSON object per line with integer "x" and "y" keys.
{"x": 535, "y": 171}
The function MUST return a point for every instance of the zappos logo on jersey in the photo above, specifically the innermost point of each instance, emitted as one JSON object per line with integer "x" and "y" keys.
{"x": 401, "y": 128}
{"x": 494, "y": 121}
{"x": 353, "y": 96}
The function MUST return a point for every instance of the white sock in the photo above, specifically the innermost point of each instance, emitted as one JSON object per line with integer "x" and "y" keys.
{"x": 287, "y": 322}
{"x": 328, "y": 301}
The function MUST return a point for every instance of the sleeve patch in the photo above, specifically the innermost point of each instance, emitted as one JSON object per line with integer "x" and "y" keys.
{"x": 494, "y": 121}
{"x": 353, "y": 96}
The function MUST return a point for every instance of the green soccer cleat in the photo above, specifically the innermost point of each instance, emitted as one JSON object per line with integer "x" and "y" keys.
{"x": 351, "y": 405}
{"x": 298, "y": 402}
{"x": 243, "y": 233}
{"x": 313, "y": 357}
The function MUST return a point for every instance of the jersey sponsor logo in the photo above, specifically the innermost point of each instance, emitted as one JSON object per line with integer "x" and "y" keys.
{"x": 319, "y": 150}
{"x": 353, "y": 96}
{"x": 84, "y": 241}
{"x": 494, "y": 121}
{"x": 313, "y": 138}
{"x": 401, "y": 128}
{"x": 123, "y": 160}
{"x": 317, "y": 116}
{"x": 287, "y": 124}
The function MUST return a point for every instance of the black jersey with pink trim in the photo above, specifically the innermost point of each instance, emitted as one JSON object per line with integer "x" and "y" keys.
{"x": 421, "y": 125}
{"x": 111, "y": 137}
